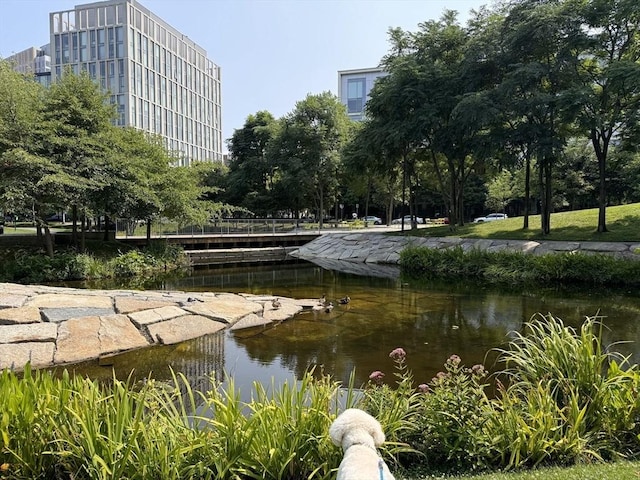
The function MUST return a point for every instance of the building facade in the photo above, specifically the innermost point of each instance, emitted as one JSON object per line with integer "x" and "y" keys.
{"x": 33, "y": 61}
{"x": 160, "y": 81}
{"x": 354, "y": 87}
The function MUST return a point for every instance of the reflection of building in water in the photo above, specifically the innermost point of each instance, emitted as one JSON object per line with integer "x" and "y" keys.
{"x": 200, "y": 360}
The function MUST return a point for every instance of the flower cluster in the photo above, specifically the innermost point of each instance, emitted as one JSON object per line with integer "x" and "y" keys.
{"x": 377, "y": 377}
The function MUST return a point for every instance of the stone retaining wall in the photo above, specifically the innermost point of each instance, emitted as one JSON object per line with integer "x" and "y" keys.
{"x": 378, "y": 248}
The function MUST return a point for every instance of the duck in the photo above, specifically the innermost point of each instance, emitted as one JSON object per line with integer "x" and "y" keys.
{"x": 275, "y": 303}
{"x": 323, "y": 300}
{"x": 344, "y": 300}
{"x": 328, "y": 307}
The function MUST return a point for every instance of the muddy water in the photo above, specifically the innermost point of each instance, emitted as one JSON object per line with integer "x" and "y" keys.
{"x": 430, "y": 321}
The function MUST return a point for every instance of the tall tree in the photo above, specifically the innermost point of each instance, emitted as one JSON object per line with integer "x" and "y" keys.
{"x": 309, "y": 145}
{"x": 77, "y": 121}
{"x": 542, "y": 44}
{"x": 610, "y": 74}
{"x": 28, "y": 179}
{"x": 250, "y": 178}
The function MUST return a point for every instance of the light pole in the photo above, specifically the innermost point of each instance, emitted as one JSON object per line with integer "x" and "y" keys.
{"x": 341, "y": 209}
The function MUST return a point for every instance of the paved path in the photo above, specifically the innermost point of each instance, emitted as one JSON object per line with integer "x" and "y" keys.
{"x": 56, "y": 326}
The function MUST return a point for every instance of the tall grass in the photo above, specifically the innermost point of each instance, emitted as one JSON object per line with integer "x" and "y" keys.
{"x": 567, "y": 399}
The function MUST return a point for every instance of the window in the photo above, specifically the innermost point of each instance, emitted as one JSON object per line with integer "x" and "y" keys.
{"x": 355, "y": 95}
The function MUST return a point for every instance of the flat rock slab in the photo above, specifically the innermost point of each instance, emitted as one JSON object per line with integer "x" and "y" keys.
{"x": 225, "y": 308}
{"x": 30, "y": 332}
{"x": 61, "y": 314}
{"x": 86, "y": 338}
{"x": 12, "y": 300}
{"x": 55, "y": 300}
{"x": 183, "y": 328}
{"x": 130, "y": 305}
{"x": 286, "y": 310}
{"x": 250, "y": 321}
{"x": 17, "y": 355}
{"x": 11, "y": 316}
{"x": 155, "y": 315}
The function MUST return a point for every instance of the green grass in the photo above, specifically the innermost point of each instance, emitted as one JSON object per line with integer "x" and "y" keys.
{"x": 607, "y": 471}
{"x": 623, "y": 223}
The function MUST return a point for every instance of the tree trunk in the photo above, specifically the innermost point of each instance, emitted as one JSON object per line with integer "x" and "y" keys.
{"x": 404, "y": 188}
{"x": 48, "y": 241}
{"x": 527, "y": 189}
{"x": 321, "y": 212}
{"x": 543, "y": 197}
{"x": 83, "y": 231}
{"x": 601, "y": 145}
{"x": 74, "y": 226}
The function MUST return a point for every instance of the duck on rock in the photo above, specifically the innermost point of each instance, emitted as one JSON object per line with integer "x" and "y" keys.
{"x": 344, "y": 300}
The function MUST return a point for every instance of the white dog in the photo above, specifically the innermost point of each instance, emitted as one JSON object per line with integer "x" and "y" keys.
{"x": 359, "y": 434}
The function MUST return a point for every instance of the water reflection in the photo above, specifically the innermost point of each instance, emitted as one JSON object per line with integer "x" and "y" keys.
{"x": 431, "y": 322}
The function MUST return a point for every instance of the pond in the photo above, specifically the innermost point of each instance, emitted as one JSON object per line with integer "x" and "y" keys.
{"x": 430, "y": 321}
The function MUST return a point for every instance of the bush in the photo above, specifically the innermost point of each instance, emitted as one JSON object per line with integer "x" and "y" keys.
{"x": 569, "y": 400}
{"x": 26, "y": 266}
{"x": 519, "y": 268}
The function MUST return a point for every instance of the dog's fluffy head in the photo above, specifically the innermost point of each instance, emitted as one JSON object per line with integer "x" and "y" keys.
{"x": 355, "y": 426}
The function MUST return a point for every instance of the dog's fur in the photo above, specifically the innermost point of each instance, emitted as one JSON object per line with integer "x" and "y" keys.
{"x": 359, "y": 434}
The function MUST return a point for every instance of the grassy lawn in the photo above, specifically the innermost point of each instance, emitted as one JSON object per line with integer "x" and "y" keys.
{"x": 623, "y": 223}
{"x": 608, "y": 471}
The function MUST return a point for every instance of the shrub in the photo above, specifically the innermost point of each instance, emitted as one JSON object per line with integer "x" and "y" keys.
{"x": 519, "y": 268}
{"x": 451, "y": 419}
{"x": 591, "y": 392}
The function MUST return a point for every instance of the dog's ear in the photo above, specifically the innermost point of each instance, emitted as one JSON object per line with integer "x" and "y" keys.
{"x": 336, "y": 431}
{"x": 377, "y": 434}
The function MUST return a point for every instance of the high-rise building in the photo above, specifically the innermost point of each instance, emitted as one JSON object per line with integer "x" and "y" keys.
{"x": 354, "y": 87}
{"x": 160, "y": 80}
{"x": 33, "y": 61}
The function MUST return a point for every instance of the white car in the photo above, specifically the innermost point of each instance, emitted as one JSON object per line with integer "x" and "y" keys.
{"x": 407, "y": 220}
{"x": 372, "y": 219}
{"x": 491, "y": 217}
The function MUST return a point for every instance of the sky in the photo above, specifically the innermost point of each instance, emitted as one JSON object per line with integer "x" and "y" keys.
{"x": 272, "y": 53}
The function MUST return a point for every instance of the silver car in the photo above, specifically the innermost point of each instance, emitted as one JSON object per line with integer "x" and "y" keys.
{"x": 491, "y": 217}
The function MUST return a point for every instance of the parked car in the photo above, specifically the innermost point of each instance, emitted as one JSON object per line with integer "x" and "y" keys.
{"x": 407, "y": 220}
{"x": 491, "y": 217}
{"x": 372, "y": 219}
{"x": 56, "y": 217}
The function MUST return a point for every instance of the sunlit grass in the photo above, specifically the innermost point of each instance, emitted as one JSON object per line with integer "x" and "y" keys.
{"x": 623, "y": 223}
{"x": 607, "y": 471}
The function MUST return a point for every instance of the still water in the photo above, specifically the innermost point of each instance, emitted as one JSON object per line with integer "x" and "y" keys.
{"x": 430, "y": 321}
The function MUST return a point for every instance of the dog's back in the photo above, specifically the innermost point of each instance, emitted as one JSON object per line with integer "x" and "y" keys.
{"x": 359, "y": 434}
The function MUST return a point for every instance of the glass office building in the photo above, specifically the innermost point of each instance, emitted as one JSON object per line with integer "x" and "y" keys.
{"x": 161, "y": 81}
{"x": 354, "y": 87}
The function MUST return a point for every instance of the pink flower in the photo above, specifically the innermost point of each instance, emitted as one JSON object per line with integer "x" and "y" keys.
{"x": 478, "y": 369}
{"x": 455, "y": 360}
{"x": 398, "y": 354}
{"x": 423, "y": 388}
{"x": 376, "y": 377}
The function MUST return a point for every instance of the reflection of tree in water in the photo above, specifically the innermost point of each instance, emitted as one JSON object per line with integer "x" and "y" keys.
{"x": 196, "y": 359}
{"x": 430, "y": 326}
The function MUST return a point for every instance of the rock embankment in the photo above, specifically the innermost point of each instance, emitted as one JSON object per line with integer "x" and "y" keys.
{"x": 50, "y": 326}
{"x": 377, "y": 248}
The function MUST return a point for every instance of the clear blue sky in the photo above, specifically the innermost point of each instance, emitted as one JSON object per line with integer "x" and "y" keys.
{"x": 272, "y": 52}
